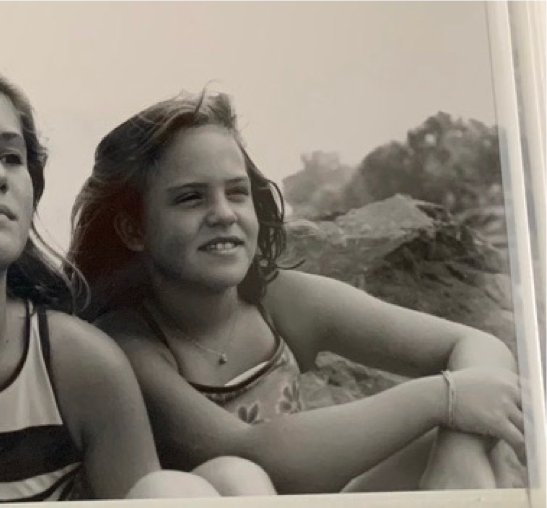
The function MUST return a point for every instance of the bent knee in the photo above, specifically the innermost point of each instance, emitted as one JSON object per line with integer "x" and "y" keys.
{"x": 234, "y": 476}
{"x": 171, "y": 484}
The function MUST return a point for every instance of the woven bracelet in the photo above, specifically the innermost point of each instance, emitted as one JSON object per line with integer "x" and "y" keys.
{"x": 451, "y": 396}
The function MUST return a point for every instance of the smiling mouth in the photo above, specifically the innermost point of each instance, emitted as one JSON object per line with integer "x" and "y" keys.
{"x": 221, "y": 245}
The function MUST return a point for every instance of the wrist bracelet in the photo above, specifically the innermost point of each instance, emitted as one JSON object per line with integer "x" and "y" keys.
{"x": 451, "y": 396}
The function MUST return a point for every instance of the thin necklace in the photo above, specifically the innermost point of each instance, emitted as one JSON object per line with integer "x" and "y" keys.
{"x": 222, "y": 355}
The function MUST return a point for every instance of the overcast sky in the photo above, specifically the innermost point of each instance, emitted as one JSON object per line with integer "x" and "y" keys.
{"x": 305, "y": 76}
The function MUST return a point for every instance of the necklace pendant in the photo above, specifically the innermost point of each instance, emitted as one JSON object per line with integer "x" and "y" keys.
{"x": 222, "y": 359}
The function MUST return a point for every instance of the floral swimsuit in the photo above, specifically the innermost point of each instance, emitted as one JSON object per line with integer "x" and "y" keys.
{"x": 264, "y": 391}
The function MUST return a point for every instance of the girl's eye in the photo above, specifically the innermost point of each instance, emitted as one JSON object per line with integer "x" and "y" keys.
{"x": 188, "y": 198}
{"x": 11, "y": 159}
{"x": 239, "y": 191}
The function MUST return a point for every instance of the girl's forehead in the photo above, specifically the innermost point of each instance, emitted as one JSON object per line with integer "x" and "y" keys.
{"x": 10, "y": 124}
{"x": 208, "y": 153}
{"x": 202, "y": 142}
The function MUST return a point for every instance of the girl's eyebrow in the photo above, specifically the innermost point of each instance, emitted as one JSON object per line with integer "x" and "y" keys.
{"x": 202, "y": 185}
{"x": 184, "y": 186}
{"x": 12, "y": 137}
{"x": 239, "y": 179}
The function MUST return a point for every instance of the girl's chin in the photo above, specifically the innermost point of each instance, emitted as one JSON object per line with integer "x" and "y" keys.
{"x": 9, "y": 254}
{"x": 220, "y": 280}
{"x": 223, "y": 283}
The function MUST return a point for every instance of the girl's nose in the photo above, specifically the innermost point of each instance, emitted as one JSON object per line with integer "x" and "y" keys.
{"x": 221, "y": 213}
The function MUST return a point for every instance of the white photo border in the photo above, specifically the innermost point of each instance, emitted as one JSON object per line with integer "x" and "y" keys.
{"x": 525, "y": 325}
{"x": 525, "y": 318}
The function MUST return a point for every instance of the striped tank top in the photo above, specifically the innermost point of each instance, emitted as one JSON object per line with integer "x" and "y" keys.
{"x": 38, "y": 460}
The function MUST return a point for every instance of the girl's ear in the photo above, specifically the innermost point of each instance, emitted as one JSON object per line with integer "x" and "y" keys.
{"x": 130, "y": 233}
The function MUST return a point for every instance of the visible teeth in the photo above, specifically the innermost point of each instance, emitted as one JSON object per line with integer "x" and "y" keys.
{"x": 221, "y": 246}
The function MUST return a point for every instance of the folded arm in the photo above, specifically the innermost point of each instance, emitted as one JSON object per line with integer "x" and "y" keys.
{"x": 311, "y": 452}
{"x": 326, "y": 315}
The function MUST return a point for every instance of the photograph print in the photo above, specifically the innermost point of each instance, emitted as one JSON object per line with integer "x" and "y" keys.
{"x": 253, "y": 249}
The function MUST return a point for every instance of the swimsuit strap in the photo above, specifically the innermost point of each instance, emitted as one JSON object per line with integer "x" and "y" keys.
{"x": 45, "y": 344}
{"x": 21, "y": 364}
{"x": 157, "y": 330}
{"x": 269, "y": 321}
{"x": 43, "y": 329}
{"x": 279, "y": 348}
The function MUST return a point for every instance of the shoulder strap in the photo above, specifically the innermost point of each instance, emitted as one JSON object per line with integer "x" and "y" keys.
{"x": 269, "y": 321}
{"x": 43, "y": 332}
{"x": 21, "y": 364}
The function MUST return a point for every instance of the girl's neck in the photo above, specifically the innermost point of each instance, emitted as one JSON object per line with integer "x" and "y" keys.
{"x": 3, "y": 308}
{"x": 193, "y": 311}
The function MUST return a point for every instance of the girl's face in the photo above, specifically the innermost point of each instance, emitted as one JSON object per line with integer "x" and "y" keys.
{"x": 16, "y": 193}
{"x": 200, "y": 225}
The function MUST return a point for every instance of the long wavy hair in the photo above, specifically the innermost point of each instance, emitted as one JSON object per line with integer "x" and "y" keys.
{"x": 125, "y": 160}
{"x": 36, "y": 275}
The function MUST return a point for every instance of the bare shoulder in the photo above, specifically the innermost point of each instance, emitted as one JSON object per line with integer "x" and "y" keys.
{"x": 132, "y": 334}
{"x": 297, "y": 303}
{"x": 294, "y": 277}
{"x": 84, "y": 359}
{"x": 302, "y": 283}
{"x": 88, "y": 368}
{"x": 78, "y": 344}
{"x": 309, "y": 310}
{"x": 288, "y": 287}
{"x": 309, "y": 294}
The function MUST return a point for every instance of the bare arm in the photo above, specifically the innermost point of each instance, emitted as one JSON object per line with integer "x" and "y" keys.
{"x": 328, "y": 315}
{"x": 316, "y": 314}
{"x": 101, "y": 403}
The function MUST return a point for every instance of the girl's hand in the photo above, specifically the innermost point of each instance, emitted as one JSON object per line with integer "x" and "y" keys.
{"x": 488, "y": 402}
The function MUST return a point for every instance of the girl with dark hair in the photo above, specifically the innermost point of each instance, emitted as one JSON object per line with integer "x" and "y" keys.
{"x": 72, "y": 420}
{"x": 178, "y": 234}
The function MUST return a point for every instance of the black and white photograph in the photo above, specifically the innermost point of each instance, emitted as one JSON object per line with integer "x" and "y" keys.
{"x": 258, "y": 249}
